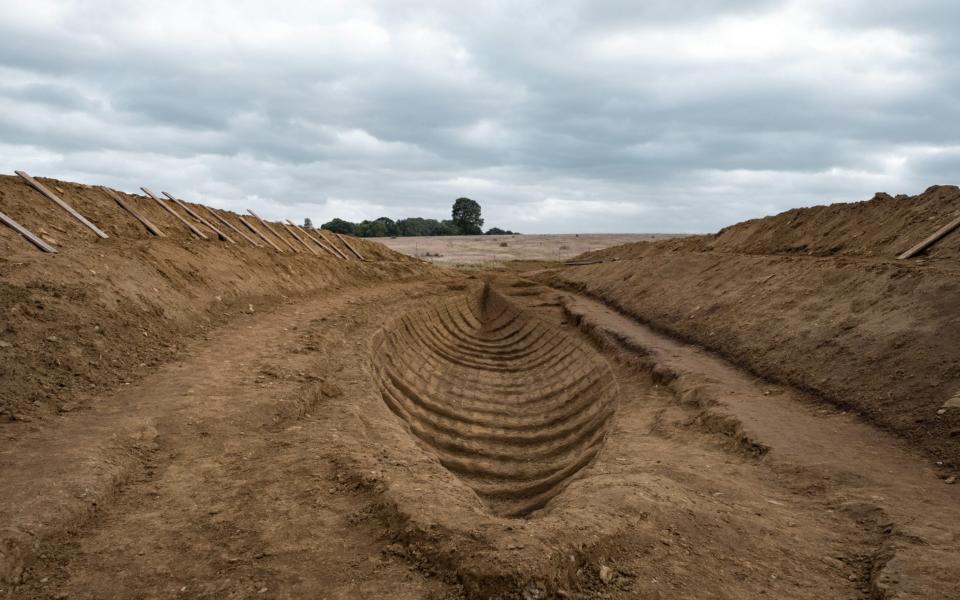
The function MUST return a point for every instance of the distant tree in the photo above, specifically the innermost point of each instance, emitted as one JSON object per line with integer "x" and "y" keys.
{"x": 413, "y": 226}
{"x": 446, "y": 227}
{"x": 370, "y": 229}
{"x": 498, "y": 231}
{"x": 307, "y": 223}
{"x": 466, "y": 216}
{"x": 389, "y": 225}
{"x": 466, "y": 221}
{"x": 340, "y": 226}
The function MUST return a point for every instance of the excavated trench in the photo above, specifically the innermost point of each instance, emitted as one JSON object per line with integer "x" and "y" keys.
{"x": 511, "y": 405}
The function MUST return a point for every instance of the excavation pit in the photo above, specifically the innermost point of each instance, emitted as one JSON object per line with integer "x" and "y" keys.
{"x": 511, "y": 405}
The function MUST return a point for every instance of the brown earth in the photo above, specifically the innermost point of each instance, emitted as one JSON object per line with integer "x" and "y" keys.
{"x": 856, "y": 326}
{"x": 386, "y": 428}
{"x": 884, "y": 226}
{"x": 102, "y": 313}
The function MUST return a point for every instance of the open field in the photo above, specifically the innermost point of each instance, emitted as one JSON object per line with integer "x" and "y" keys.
{"x": 477, "y": 249}
{"x": 769, "y": 412}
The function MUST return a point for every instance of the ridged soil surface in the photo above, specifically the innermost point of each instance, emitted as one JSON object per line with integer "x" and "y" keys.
{"x": 513, "y": 406}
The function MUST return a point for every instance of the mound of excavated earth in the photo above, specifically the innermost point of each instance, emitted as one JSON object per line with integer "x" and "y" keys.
{"x": 102, "y": 312}
{"x": 851, "y": 324}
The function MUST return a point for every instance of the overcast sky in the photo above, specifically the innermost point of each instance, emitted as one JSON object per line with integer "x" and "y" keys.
{"x": 559, "y": 116}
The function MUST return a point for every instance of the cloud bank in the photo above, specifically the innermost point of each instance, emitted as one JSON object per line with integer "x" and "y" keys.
{"x": 568, "y": 116}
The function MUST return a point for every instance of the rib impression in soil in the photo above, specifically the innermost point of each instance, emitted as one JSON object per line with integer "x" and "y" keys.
{"x": 511, "y": 405}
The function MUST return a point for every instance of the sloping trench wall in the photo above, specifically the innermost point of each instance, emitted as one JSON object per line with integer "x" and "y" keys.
{"x": 876, "y": 337}
{"x": 100, "y": 312}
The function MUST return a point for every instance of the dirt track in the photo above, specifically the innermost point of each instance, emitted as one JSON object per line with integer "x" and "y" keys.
{"x": 391, "y": 429}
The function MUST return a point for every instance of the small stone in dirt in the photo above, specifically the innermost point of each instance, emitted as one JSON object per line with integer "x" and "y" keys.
{"x": 950, "y": 480}
{"x": 5, "y": 344}
{"x": 606, "y": 574}
{"x": 52, "y": 338}
{"x": 833, "y": 562}
{"x": 262, "y": 591}
{"x": 249, "y": 308}
{"x": 941, "y": 411}
{"x": 532, "y": 592}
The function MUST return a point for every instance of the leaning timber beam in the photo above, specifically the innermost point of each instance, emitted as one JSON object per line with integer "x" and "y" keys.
{"x": 26, "y": 233}
{"x": 123, "y": 204}
{"x": 332, "y": 244}
{"x": 56, "y": 200}
{"x": 291, "y": 227}
{"x": 236, "y": 229}
{"x": 270, "y": 229}
{"x": 189, "y": 225}
{"x": 933, "y": 239}
{"x": 194, "y": 214}
{"x": 352, "y": 249}
{"x": 260, "y": 234}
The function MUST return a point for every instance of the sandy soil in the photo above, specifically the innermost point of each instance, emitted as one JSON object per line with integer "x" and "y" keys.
{"x": 489, "y": 250}
{"x": 388, "y": 427}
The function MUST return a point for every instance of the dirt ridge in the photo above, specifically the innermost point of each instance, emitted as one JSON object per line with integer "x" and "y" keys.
{"x": 883, "y": 226}
{"x": 101, "y": 313}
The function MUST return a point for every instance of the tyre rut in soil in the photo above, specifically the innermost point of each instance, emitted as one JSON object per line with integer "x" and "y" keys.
{"x": 511, "y": 405}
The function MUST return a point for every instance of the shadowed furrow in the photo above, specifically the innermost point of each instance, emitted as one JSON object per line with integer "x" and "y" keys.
{"x": 511, "y": 405}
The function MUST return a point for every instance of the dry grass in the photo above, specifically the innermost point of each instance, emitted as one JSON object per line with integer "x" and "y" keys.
{"x": 487, "y": 249}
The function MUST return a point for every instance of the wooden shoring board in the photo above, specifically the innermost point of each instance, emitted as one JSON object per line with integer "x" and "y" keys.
{"x": 260, "y": 234}
{"x": 293, "y": 229}
{"x": 29, "y": 235}
{"x": 271, "y": 230}
{"x": 282, "y": 227}
{"x": 332, "y": 245}
{"x": 189, "y": 225}
{"x": 194, "y": 214}
{"x": 352, "y": 249}
{"x": 933, "y": 239}
{"x": 123, "y": 204}
{"x": 321, "y": 244}
{"x": 56, "y": 199}
{"x": 236, "y": 229}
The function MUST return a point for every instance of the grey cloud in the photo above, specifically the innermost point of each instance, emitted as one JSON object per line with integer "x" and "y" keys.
{"x": 397, "y": 108}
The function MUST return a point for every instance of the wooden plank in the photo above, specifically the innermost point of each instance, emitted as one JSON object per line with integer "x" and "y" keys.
{"x": 236, "y": 229}
{"x": 270, "y": 229}
{"x": 189, "y": 225}
{"x": 933, "y": 239}
{"x": 292, "y": 229}
{"x": 352, "y": 249}
{"x": 318, "y": 242}
{"x": 56, "y": 199}
{"x": 31, "y": 237}
{"x": 332, "y": 244}
{"x": 123, "y": 204}
{"x": 262, "y": 237}
{"x": 282, "y": 228}
{"x": 194, "y": 214}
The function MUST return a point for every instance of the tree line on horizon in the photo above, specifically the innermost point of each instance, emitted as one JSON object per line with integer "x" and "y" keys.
{"x": 465, "y": 220}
